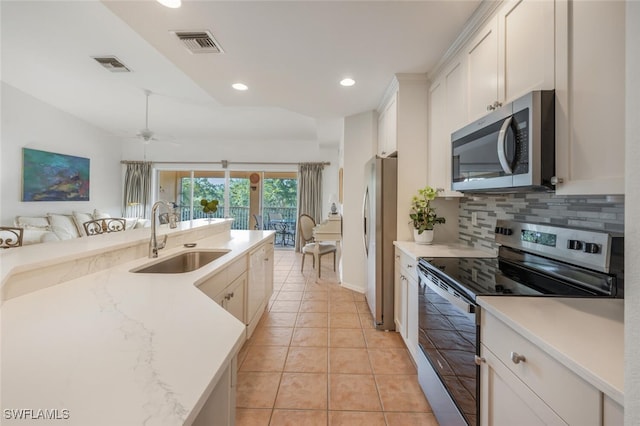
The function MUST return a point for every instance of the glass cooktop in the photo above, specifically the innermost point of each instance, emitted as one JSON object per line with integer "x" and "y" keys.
{"x": 532, "y": 276}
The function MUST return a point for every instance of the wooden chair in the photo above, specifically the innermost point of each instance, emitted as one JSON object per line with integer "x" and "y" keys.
{"x": 306, "y": 224}
{"x": 10, "y": 237}
{"x": 104, "y": 226}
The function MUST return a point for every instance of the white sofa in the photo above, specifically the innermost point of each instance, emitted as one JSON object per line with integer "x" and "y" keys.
{"x": 57, "y": 227}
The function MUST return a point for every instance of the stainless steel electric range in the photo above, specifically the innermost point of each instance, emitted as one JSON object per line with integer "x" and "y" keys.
{"x": 533, "y": 260}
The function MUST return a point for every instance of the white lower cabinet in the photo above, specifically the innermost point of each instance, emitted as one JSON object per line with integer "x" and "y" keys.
{"x": 220, "y": 407}
{"x": 406, "y": 301}
{"x": 411, "y": 339}
{"x": 244, "y": 293}
{"x": 260, "y": 284}
{"x": 522, "y": 384}
{"x": 506, "y": 400}
{"x": 232, "y": 297}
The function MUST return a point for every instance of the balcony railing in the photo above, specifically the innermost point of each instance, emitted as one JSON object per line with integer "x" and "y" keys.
{"x": 241, "y": 215}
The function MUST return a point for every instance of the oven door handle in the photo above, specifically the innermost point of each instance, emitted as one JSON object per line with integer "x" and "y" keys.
{"x": 457, "y": 301}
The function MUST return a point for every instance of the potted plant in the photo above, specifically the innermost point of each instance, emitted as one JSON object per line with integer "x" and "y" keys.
{"x": 209, "y": 207}
{"x": 423, "y": 216}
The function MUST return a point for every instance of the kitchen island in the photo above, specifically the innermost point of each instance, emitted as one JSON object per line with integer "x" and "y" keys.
{"x": 111, "y": 347}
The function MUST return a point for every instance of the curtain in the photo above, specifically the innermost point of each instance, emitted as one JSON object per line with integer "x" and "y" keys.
{"x": 137, "y": 190}
{"x": 309, "y": 192}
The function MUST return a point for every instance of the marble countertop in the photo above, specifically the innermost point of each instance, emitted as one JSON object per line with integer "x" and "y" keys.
{"x": 441, "y": 250}
{"x": 117, "y": 348}
{"x": 585, "y": 335}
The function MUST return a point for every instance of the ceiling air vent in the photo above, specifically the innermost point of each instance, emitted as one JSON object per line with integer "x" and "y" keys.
{"x": 111, "y": 63}
{"x": 198, "y": 41}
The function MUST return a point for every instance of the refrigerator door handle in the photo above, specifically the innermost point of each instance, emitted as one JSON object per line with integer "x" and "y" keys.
{"x": 365, "y": 208}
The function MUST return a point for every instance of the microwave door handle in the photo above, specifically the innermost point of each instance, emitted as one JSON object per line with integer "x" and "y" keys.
{"x": 502, "y": 145}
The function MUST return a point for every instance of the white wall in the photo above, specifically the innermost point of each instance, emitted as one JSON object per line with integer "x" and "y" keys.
{"x": 28, "y": 122}
{"x": 360, "y": 133}
{"x": 632, "y": 225}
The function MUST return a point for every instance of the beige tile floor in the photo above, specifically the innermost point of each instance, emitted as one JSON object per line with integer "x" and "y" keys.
{"x": 315, "y": 359}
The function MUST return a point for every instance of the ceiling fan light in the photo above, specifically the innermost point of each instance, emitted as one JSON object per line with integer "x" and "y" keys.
{"x": 173, "y": 4}
{"x": 240, "y": 86}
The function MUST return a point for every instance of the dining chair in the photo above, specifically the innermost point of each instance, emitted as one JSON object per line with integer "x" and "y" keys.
{"x": 104, "y": 226}
{"x": 276, "y": 222}
{"x": 305, "y": 225}
{"x": 10, "y": 237}
{"x": 258, "y": 219}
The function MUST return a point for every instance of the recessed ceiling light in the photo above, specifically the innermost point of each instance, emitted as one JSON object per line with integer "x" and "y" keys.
{"x": 173, "y": 4}
{"x": 240, "y": 86}
{"x": 347, "y": 82}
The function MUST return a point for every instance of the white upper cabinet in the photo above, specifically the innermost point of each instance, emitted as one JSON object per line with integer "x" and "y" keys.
{"x": 455, "y": 77}
{"x": 387, "y": 127}
{"x": 438, "y": 148}
{"x": 526, "y": 48}
{"x": 511, "y": 56}
{"x": 447, "y": 113}
{"x": 482, "y": 59}
{"x": 590, "y": 97}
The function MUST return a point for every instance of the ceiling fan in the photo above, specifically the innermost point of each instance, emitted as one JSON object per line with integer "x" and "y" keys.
{"x": 146, "y": 134}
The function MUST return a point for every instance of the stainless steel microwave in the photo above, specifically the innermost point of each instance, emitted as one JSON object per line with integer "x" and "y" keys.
{"x": 509, "y": 150}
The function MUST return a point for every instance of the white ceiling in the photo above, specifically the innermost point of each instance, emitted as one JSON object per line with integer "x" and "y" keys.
{"x": 292, "y": 54}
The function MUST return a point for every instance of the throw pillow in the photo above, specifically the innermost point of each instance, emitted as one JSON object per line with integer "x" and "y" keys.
{"x": 41, "y": 222}
{"x": 80, "y": 218}
{"x": 63, "y": 226}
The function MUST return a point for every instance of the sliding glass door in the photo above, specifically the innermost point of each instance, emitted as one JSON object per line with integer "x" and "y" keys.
{"x": 251, "y": 198}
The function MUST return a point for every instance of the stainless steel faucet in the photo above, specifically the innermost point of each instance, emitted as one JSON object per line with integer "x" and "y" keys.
{"x": 154, "y": 246}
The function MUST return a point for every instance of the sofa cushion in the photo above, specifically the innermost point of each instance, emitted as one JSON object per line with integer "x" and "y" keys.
{"x": 36, "y": 236}
{"x": 63, "y": 226}
{"x": 80, "y": 218}
{"x": 130, "y": 222}
{"x": 37, "y": 222}
{"x": 142, "y": 223}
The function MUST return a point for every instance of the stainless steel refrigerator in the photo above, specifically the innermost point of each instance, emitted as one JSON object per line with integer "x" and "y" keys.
{"x": 380, "y": 214}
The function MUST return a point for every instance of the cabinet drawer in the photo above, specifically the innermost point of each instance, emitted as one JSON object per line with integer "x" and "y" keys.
{"x": 236, "y": 268}
{"x": 407, "y": 263}
{"x": 575, "y": 400}
{"x": 212, "y": 286}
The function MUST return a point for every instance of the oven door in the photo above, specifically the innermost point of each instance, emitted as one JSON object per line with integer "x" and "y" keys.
{"x": 449, "y": 340}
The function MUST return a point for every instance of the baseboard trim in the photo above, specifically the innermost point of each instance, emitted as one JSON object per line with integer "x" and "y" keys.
{"x": 353, "y": 287}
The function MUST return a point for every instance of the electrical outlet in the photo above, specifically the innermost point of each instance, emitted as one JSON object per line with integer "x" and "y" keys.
{"x": 474, "y": 275}
{"x": 474, "y": 218}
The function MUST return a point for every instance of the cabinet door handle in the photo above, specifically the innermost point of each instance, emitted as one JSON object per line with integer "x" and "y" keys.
{"x": 517, "y": 358}
{"x": 479, "y": 360}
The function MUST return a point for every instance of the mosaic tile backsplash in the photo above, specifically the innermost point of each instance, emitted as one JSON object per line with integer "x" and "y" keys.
{"x": 593, "y": 212}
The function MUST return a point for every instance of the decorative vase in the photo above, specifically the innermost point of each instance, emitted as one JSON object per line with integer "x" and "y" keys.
{"x": 425, "y": 238}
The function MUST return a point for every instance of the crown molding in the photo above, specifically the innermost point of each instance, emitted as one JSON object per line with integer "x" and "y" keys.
{"x": 486, "y": 10}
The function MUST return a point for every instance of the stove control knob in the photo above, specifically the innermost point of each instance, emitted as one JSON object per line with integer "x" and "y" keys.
{"x": 498, "y": 230}
{"x": 574, "y": 245}
{"x": 507, "y": 231}
{"x": 591, "y": 248}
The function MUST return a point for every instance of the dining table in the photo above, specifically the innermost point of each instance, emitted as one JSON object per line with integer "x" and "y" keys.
{"x": 285, "y": 231}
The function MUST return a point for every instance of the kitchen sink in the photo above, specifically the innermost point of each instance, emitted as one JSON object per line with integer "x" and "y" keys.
{"x": 182, "y": 262}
